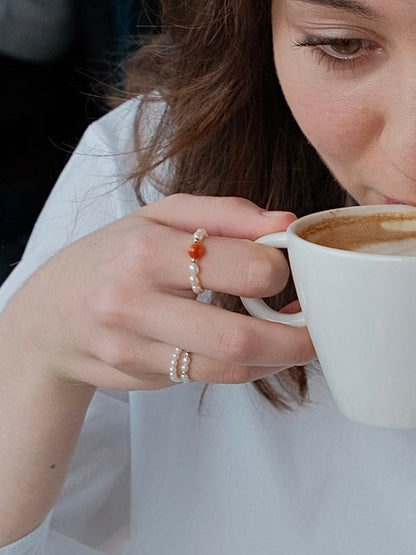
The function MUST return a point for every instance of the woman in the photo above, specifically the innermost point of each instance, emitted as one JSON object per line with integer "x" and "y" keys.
{"x": 102, "y": 304}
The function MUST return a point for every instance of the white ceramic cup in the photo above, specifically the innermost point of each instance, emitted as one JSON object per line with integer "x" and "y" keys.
{"x": 360, "y": 310}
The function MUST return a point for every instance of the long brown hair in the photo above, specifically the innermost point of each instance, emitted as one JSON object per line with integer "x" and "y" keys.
{"x": 227, "y": 126}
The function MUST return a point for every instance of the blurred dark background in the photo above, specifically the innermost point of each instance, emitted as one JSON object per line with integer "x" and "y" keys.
{"x": 55, "y": 57}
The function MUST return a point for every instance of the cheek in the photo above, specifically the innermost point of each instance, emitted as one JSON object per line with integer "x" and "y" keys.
{"x": 336, "y": 119}
{"x": 333, "y": 125}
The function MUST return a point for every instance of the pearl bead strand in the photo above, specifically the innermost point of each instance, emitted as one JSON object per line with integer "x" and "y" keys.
{"x": 196, "y": 251}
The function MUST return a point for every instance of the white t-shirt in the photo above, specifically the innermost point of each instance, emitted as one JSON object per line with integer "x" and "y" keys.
{"x": 155, "y": 475}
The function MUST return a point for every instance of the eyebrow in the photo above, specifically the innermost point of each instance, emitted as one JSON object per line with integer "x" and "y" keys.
{"x": 352, "y": 6}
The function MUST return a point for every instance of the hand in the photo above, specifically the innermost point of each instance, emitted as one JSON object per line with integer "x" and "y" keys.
{"x": 109, "y": 309}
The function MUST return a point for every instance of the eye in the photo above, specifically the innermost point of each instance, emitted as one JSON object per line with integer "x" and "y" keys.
{"x": 338, "y": 52}
{"x": 344, "y": 48}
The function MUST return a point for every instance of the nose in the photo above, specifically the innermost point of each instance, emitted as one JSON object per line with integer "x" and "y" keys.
{"x": 398, "y": 134}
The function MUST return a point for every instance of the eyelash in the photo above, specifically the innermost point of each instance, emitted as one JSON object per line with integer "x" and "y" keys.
{"x": 334, "y": 61}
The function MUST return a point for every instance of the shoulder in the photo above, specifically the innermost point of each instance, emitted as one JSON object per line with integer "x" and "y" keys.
{"x": 118, "y": 123}
{"x": 118, "y": 128}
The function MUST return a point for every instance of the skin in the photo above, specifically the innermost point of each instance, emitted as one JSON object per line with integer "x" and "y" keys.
{"x": 61, "y": 336}
{"x": 360, "y": 111}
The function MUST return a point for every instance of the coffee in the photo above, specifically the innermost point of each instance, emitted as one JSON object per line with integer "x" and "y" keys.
{"x": 381, "y": 233}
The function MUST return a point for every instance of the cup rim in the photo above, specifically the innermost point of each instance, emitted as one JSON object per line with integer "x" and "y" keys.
{"x": 368, "y": 209}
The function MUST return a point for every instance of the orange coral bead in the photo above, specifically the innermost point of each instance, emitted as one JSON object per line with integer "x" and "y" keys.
{"x": 196, "y": 251}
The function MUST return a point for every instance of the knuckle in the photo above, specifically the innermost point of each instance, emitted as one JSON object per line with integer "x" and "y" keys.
{"x": 112, "y": 324}
{"x": 113, "y": 350}
{"x": 237, "y": 345}
{"x": 110, "y": 305}
{"x": 116, "y": 353}
{"x": 135, "y": 249}
{"x": 140, "y": 252}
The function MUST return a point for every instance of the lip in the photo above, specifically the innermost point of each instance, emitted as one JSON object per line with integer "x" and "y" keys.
{"x": 390, "y": 200}
{"x": 376, "y": 196}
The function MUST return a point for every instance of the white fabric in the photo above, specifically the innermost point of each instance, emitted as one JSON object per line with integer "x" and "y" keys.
{"x": 154, "y": 474}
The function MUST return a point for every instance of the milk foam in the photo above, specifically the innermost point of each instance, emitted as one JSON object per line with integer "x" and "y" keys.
{"x": 402, "y": 247}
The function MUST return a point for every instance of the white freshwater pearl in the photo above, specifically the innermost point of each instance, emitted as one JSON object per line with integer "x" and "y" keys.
{"x": 200, "y": 234}
{"x": 194, "y": 269}
{"x": 193, "y": 280}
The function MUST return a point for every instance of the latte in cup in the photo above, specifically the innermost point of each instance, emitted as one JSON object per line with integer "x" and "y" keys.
{"x": 380, "y": 233}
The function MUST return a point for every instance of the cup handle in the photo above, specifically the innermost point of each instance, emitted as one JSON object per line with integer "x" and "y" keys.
{"x": 257, "y": 307}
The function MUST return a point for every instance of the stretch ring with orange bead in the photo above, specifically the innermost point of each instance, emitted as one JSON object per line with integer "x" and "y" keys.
{"x": 196, "y": 251}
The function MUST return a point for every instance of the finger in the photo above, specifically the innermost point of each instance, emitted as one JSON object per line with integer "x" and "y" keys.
{"x": 206, "y": 370}
{"x": 234, "y": 266}
{"x": 223, "y": 335}
{"x": 148, "y": 368}
{"x": 224, "y": 216}
{"x": 292, "y": 307}
{"x": 242, "y": 268}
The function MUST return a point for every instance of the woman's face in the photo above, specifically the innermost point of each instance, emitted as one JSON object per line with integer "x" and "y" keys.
{"x": 348, "y": 72}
